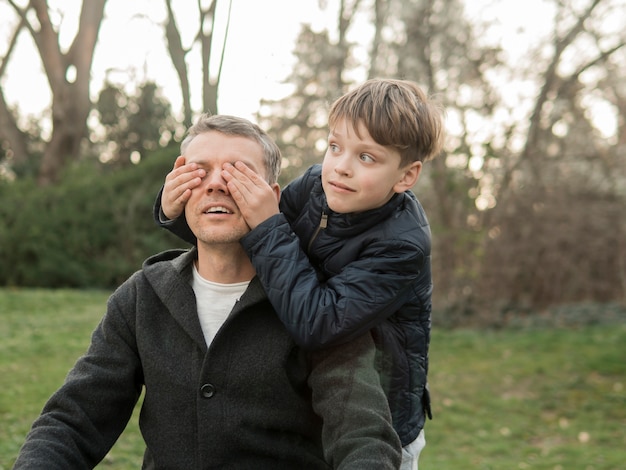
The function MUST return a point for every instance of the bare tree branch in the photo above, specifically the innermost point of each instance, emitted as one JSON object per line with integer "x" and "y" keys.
{"x": 209, "y": 90}
{"x": 219, "y": 69}
{"x": 550, "y": 78}
{"x": 177, "y": 55}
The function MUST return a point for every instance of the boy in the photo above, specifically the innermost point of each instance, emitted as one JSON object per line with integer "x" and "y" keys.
{"x": 349, "y": 250}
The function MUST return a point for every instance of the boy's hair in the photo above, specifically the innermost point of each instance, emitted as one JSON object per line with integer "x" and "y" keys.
{"x": 396, "y": 113}
{"x": 236, "y": 126}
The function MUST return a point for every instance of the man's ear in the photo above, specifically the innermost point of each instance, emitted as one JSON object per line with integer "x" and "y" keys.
{"x": 276, "y": 190}
{"x": 409, "y": 177}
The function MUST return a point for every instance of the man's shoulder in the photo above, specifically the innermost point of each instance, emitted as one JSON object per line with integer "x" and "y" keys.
{"x": 166, "y": 256}
{"x": 157, "y": 268}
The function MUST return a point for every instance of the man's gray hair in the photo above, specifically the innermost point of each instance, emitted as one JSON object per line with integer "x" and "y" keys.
{"x": 237, "y": 126}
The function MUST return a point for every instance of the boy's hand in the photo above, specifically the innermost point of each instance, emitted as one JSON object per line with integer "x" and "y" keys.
{"x": 178, "y": 185}
{"x": 256, "y": 199}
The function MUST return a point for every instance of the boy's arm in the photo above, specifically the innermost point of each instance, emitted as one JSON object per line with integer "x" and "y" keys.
{"x": 346, "y": 393}
{"x": 317, "y": 314}
{"x": 177, "y": 226}
{"x": 169, "y": 206}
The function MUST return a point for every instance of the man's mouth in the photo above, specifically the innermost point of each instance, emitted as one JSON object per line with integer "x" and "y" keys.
{"x": 217, "y": 210}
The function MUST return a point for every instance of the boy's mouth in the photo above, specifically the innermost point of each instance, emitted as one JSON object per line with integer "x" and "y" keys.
{"x": 341, "y": 187}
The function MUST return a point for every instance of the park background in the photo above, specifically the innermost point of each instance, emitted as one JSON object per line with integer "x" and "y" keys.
{"x": 527, "y": 203}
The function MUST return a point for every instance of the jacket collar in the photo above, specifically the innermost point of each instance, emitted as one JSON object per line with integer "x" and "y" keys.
{"x": 170, "y": 275}
{"x": 352, "y": 224}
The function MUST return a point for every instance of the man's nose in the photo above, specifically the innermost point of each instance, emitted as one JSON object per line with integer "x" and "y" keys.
{"x": 215, "y": 183}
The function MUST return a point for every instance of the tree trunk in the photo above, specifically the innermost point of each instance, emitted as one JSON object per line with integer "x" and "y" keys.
{"x": 70, "y": 100}
{"x": 12, "y": 139}
{"x": 209, "y": 90}
{"x": 69, "y": 123}
{"x": 177, "y": 54}
{"x": 10, "y": 133}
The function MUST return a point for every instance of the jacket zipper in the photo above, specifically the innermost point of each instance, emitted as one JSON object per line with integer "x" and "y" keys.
{"x": 322, "y": 225}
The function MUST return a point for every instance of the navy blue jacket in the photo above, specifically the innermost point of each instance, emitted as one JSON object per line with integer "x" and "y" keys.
{"x": 331, "y": 277}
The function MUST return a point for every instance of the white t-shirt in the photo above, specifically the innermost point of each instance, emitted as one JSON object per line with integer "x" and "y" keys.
{"x": 215, "y": 301}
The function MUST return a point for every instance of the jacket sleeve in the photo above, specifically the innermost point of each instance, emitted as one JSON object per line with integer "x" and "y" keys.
{"x": 178, "y": 226}
{"x": 346, "y": 393}
{"x": 82, "y": 420}
{"x": 295, "y": 195}
{"x": 318, "y": 313}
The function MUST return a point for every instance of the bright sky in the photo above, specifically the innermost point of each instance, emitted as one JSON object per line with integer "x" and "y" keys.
{"x": 258, "y": 56}
{"x": 131, "y": 41}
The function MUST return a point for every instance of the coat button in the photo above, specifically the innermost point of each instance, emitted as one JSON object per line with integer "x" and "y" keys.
{"x": 207, "y": 391}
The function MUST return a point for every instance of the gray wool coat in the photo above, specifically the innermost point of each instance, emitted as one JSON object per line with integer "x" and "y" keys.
{"x": 253, "y": 399}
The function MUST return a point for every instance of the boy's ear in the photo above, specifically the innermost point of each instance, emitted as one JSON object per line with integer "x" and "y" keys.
{"x": 409, "y": 177}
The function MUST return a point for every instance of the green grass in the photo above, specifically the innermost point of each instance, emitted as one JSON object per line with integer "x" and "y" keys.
{"x": 552, "y": 399}
{"x": 42, "y": 333}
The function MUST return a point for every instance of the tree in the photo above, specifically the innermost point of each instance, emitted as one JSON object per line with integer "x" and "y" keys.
{"x": 566, "y": 182}
{"x": 68, "y": 75}
{"x": 13, "y": 142}
{"x": 134, "y": 124}
{"x": 204, "y": 36}
{"x": 299, "y": 122}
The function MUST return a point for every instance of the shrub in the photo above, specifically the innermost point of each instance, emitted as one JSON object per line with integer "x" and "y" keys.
{"x": 93, "y": 229}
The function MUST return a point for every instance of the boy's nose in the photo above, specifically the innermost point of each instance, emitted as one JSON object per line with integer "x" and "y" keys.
{"x": 342, "y": 167}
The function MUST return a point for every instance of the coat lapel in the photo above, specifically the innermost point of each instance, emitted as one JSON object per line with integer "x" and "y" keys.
{"x": 171, "y": 282}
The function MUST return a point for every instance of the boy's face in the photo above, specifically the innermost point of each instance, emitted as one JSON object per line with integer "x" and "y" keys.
{"x": 359, "y": 174}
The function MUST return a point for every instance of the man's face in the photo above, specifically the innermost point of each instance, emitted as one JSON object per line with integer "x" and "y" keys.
{"x": 211, "y": 212}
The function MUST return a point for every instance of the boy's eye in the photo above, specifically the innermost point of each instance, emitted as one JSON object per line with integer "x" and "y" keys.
{"x": 333, "y": 147}
{"x": 366, "y": 158}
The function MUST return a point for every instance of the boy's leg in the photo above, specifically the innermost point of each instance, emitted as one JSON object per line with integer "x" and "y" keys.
{"x": 411, "y": 452}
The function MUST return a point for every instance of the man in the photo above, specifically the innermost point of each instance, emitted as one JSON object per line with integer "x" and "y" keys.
{"x": 225, "y": 384}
